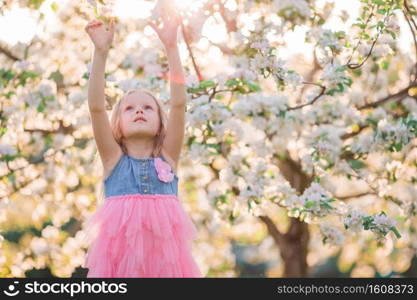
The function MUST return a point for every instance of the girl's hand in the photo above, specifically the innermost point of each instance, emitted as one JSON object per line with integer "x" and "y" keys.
{"x": 102, "y": 38}
{"x": 171, "y": 20}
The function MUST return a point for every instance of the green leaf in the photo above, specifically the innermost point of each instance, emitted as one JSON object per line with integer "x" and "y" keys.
{"x": 24, "y": 76}
{"x": 340, "y": 34}
{"x": 232, "y": 82}
{"x": 41, "y": 107}
{"x": 309, "y": 204}
{"x": 378, "y": 2}
{"x": 360, "y": 25}
{"x": 397, "y": 234}
{"x": 95, "y": 11}
{"x": 347, "y": 81}
{"x": 380, "y": 24}
{"x": 48, "y": 140}
{"x": 6, "y": 75}
{"x": 231, "y": 217}
{"x": 356, "y": 164}
{"x": 396, "y": 147}
{"x": 35, "y": 3}
{"x": 54, "y": 6}
{"x": 207, "y": 83}
{"x": 254, "y": 87}
{"x": 57, "y": 77}
{"x": 341, "y": 69}
{"x": 215, "y": 146}
{"x": 331, "y": 92}
{"x": 385, "y": 65}
{"x": 392, "y": 33}
{"x": 3, "y": 130}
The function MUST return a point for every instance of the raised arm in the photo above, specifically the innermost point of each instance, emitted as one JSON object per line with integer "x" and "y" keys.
{"x": 176, "y": 119}
{"x": 107, "y": 146}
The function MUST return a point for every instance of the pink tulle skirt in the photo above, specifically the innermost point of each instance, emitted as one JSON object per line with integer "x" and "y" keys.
{"x": 140, "y": 236}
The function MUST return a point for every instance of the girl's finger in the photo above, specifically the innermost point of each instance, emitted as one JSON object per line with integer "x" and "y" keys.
{"x": 90, "y": 25}
{"x": 153, "y": 26}
{"x": 96, "y": 22}
{"x": 111, "y": 25}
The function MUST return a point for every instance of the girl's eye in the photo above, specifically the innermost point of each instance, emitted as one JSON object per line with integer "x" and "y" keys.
{"x": 129, "y": 107}
{"x": 148, "y": 106}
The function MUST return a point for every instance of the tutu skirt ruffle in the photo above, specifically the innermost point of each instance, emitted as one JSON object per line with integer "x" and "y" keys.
{"x": 140, "y": 236}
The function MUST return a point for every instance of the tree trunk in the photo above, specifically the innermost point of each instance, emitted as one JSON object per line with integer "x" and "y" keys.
{"x": 293, "y": 244}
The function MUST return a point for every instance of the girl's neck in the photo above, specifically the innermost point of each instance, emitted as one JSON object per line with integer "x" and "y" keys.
{"x": 139, "y": 148}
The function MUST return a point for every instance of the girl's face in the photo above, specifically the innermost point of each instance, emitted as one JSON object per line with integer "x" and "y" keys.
{"x": 139, "y": 115}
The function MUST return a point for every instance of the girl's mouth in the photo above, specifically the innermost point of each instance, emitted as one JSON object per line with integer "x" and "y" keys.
{"x": 140, "y": 119}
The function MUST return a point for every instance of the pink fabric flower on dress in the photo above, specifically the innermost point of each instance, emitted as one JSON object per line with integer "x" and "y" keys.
{"x": 164, "y": 170}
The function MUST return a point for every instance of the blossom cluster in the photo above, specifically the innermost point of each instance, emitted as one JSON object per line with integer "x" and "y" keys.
{"x": 325, "y": 142}
{"x": 334, "y": 77}
{"x": 381, "y": 224}
{"x": 203, "y": 111}
{"x": 326, "y": 38}
{"x": 265, "y": 62}
{"x": 331, "y": 234}
{"x": 292, "y": 9}
{"x": 313, "y": 203}
{"x": 388, "y": 135}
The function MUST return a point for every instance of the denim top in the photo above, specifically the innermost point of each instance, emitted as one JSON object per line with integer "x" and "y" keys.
{"x": 137, "y": 176}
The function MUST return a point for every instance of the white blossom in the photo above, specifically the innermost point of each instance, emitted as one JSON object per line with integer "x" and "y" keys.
{"x": 93, "y": 3}
{"x": 201, "y": 153}
{"x": 22, "y": 65}
{"x": 410, "y": 104}
{"x": 384, "y": 223}
{"x": 129, "y": 84}
{"x": 39, "y": 246}
{"x": 389, "y": 134}
{"x": 316, "y": 200}
{"x": 378, "y": 114}
{"x": 381, "y": 225}
{"x": 365, "y": 143}
{"x": 331, "y": 234}
{"x": 262, "y": 45}
{"x": 47, "y": 88}
{"x": 77, "y": 98}
{"x": 228, "y": 175}
{"x": 353, "y": 220}
{"x": 301, "y": 6}
{"x": 7, "y": 150}
{"x": 326, "y": 141}
{"x": 325, "y": 38}
{"x": 333, "y": 74}
{"x": 235, "y": 160}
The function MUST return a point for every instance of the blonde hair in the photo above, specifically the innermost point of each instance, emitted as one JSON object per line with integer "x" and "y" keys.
{"x": 118, "y": 136}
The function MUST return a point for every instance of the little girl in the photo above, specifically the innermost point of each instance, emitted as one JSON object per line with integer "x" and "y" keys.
{"x": 141, "y": 230}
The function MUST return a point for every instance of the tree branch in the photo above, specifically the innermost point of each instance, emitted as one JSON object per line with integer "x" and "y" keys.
{"x": 323, "y": 89}
{"x": 397, "y": 96}
{"x": 353, "y": 196}
{"x": 187, "y": 42}
{"x": 273, "y": 230}
{"x": 8, "y": 53}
